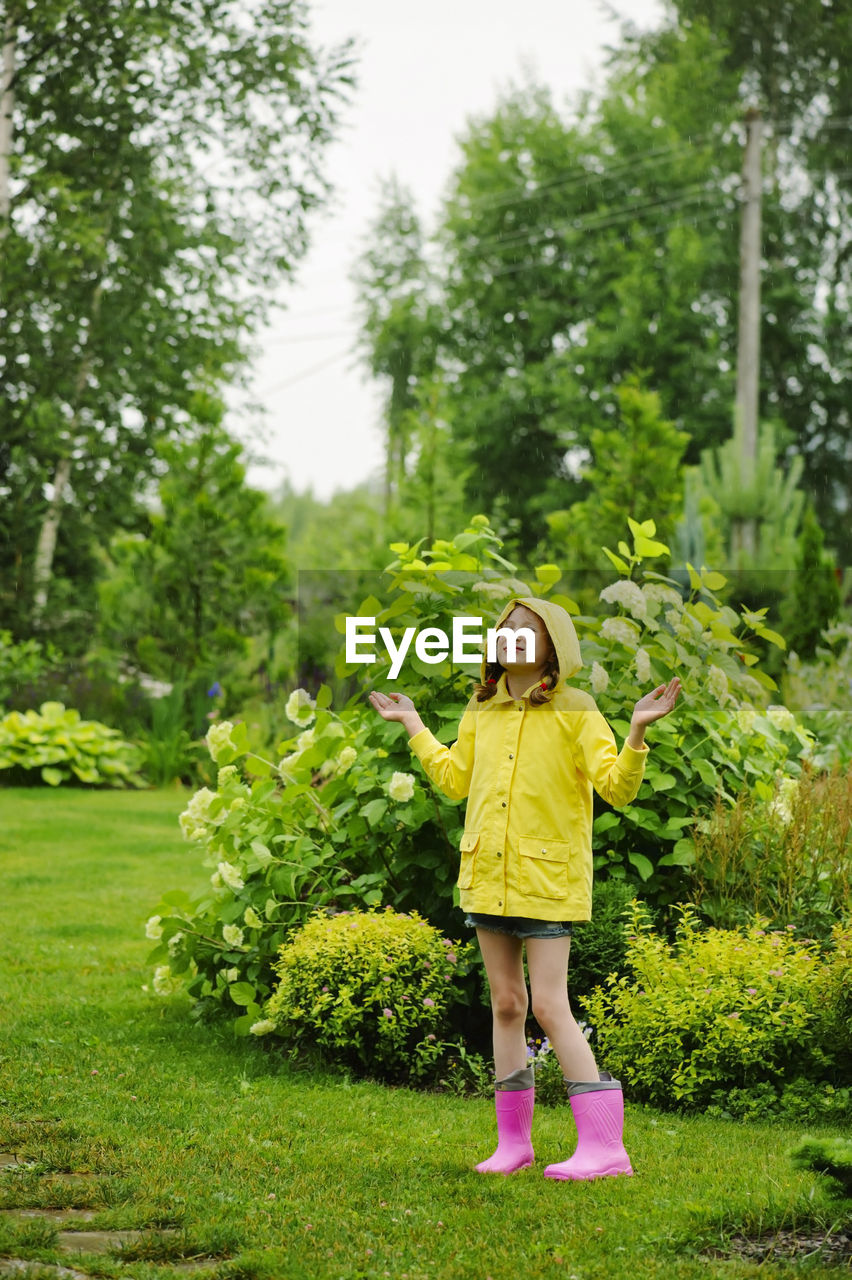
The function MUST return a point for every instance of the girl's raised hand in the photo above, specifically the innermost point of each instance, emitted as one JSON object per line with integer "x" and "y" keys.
{"x": 656, "y": 704}
{"x": 392, "y": 706}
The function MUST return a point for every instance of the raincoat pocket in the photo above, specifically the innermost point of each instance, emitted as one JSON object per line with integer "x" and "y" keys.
{"x": 468, "y": 846}
{"x": 544, "y": 866}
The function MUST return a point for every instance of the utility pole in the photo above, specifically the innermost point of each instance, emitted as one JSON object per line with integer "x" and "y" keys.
{"x": 748, "y": 341}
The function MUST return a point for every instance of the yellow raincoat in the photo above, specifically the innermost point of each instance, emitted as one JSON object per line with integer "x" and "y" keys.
{"x": 528, "y": 772}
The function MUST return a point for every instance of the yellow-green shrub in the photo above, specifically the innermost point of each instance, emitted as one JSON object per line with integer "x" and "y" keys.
{"x": 372, "y": 990}
{"x": 722, "y": 1009}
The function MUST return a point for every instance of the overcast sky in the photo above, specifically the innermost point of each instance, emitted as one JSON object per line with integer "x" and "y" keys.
{"x": 422, "y": 71}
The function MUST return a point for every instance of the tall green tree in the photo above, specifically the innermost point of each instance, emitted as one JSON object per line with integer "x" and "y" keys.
{"x": 158, "y": 167}
{"x": 182, "y": 600}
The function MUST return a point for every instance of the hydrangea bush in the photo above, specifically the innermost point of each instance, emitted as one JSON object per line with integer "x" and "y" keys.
{"x": 723, "y": 1010}
{"x": 345, "y": 817}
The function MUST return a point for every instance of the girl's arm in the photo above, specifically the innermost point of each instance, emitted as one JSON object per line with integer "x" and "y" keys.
{"x": 450, "y": 768}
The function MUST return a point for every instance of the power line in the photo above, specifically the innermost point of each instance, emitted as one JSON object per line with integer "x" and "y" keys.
{"x": 305, "y": 373}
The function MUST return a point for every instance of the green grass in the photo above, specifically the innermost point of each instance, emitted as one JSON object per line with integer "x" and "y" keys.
{"x": 278, "y": 1173}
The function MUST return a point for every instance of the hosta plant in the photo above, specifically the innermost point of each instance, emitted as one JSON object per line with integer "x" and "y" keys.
{"x": 53, "y": 745}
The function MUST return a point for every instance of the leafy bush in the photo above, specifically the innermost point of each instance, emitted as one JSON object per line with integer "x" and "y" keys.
{"x": 788, "y": 858}
{"x": 832, "y": 1156}
{"x": 599, "y": 945}
{"x": 371, "y": 990}
{"x": 54, "y": 745}
{"x": 22, "y": 663}
{"x": 820, "y": 694}
{"x": 723, "y": 1010}
{"x": 348, "y": 819}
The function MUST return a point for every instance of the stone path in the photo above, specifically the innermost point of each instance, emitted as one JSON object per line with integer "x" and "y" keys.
{"x": 76, "y": 1241}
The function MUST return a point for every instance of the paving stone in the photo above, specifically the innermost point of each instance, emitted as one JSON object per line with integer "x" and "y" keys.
{"x": 17, "y": 1266}
{"x": 55, "y": 1216}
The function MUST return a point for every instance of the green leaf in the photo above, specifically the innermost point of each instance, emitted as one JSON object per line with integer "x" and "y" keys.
{"x": 682, "y": 855}
{"x": 642, "y": 864}
{"x": 648, "y": 547}
{"x": 374, "y": 810}
{"x": 324, "y": 695}
{"x": 241, "y": 992}
{"x": 620, "y": 565}
{"x": 706, "y": 771}
{"x": 548, "y": 573}
{"x": 53, "y": 777}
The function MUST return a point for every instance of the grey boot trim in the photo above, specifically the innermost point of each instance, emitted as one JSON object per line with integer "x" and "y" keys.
{"x": 523, "y": 1078}
{"x": 605, "y": 1081}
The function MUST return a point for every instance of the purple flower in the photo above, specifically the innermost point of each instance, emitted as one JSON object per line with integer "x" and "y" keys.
{"x": 215, "y": 690}
{"x": 430, "y": 1004}
{"x": 388, "y": 1013}
{"x": 752, "y": 991}
{"x": 452, "y": 957}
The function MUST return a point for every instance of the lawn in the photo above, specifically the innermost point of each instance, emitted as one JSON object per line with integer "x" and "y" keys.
{"x": 221, "y": 1155}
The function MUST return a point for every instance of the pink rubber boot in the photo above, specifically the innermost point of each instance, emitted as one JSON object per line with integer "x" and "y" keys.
{"x": 514, "y": 1101}
{"x": 599, "y": 1115}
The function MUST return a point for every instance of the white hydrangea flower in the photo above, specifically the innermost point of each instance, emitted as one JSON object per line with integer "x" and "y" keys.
{"x": 305, "y": 740}
{"x": 219, "y": 738}
{"x": 165, "y": 982}
{"x": 231, "y": 975}
{"x": 717, "y": 683}
{"x": 599, "y": 678}
{"x": 401, "y": 786}
{"x": 262, "y": 1028}
{"x": 286, "y": 763}
{"x": 225, "y": 774}
{"x": 175, "y": 943}
{"x": 347, "y": 757}
{"x": 626, "y": 593}
{"x": 661, "y": 594}
{"x": 153, "y": 928}
{"x": 781, "y": 718}
{"x": 300, "y": 707}
{"x": 233, "y": 935}
{"x": 782, "y": 805}
{"x": 217, "y": 881}
{"x": 195, "y": 819}
{"x": 252, "y": 919}
{"x": 746, "y": 716}
{"x": 620, "y": 629}
{"x": 231, "y": 876}
{"x": 643, "y": 666}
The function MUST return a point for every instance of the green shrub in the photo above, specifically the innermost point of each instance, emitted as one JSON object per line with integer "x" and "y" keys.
{"x": 22, "y": 663}
{"x": 54, "y": 745}
{"x": 347, "y": 818}
{"x": 819, "y": 692}
{"x": 599, "y": 945}
{"x": 788, "y": 859}
{"x": 372, "y": 991}
{"x": 722, "y": 1010}
{"x": 832, "y": 1156}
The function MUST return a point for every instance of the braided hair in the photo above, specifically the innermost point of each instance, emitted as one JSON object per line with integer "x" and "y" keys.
{"x": 543, "y": 693}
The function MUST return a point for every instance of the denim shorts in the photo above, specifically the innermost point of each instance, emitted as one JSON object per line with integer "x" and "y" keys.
{"x": 520, "y": 926}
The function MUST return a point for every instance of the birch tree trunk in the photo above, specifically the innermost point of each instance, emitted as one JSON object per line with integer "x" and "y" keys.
{"x": 46, "y": 545}
{"x": 7, "y": 107}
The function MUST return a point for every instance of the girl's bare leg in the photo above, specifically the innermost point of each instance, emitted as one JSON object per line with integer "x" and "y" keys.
{"x": 504, "y": 965}
{"x": 547, "y": 962}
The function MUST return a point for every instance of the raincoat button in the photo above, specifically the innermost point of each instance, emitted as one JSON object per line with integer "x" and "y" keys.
{"x": 504, "y": 804}
{"x": 511, "y": 757}
{"x": 499, "y": 855}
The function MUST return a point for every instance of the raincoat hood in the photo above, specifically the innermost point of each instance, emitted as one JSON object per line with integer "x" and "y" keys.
{"x": 560, "y": 628}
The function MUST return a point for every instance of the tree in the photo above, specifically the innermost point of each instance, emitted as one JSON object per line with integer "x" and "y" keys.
{"x": 182, "y": 599}
{"x": 158, "y": 166}
{"x": 814, "y": 601}
{"x": 398, "y": 340}
{"x": 635, "y": 467}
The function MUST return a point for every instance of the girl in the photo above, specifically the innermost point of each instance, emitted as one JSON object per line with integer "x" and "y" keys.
{"x": 530, "y": 748}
